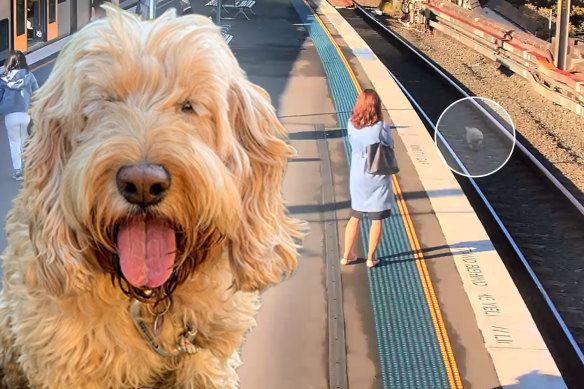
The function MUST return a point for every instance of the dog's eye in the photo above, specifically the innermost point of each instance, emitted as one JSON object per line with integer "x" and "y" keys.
{"x": 111, "y": 99}
{"x": 186, "y": 107}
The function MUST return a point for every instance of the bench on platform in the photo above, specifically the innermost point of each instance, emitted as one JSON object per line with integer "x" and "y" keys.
{"x": 227, "y": 37}
{"x": 244, "y": 5}
{"x": 240, "y": 5}
{"x": 213, "y": 3}
{"x": 224, "y": 29}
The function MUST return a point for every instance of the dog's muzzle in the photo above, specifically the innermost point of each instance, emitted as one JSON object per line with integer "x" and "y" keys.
{"x": 146, "y": 244}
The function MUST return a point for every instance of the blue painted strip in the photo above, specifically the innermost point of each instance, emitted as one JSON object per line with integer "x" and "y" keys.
{"x": 409, "y": 352}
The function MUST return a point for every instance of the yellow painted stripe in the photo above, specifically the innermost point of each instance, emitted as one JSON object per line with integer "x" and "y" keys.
{"x": 435, "y": 318}
{"x": 434, "y": 307}
{"x": 341, "y": 55}
{"x": 43, "y": 65}
{"x": 425, "y": 277}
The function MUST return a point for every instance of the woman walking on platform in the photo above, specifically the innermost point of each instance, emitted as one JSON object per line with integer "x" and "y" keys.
{"x": 17, "y": 84}
{"x": 371, "y": 194}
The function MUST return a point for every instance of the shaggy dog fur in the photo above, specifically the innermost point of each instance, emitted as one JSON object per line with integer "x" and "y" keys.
{"x": 125, "y": 91}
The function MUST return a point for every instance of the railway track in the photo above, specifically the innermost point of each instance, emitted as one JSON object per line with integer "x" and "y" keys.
{"x": 536, "y": 225}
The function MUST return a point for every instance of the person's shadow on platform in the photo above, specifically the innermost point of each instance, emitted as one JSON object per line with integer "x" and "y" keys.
{"x": 536, "y": 380}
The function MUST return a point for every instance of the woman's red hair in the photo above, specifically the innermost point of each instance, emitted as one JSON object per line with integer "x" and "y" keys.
{"x": 367, "y": 110}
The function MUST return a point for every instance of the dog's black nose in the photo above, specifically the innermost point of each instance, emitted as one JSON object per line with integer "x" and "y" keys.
{"x": 143, "y": 184}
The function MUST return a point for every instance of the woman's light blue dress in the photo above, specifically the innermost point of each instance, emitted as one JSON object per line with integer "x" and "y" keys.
{"x": 369, "y": 193}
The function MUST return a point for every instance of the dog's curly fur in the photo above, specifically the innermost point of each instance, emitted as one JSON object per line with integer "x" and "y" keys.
{"x": 124, "y": 91}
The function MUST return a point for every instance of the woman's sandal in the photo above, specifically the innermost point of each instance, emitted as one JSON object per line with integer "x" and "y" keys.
{"x": 347, "y": 261}
{"x": 372, "y": 262}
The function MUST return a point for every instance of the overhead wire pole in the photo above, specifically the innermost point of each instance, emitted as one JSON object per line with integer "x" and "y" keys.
{"x": 219, "y": 13}
{"x": 563, "y": 23}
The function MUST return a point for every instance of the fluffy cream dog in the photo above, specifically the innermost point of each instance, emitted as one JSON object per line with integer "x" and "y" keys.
{"x": 150, "y": 215}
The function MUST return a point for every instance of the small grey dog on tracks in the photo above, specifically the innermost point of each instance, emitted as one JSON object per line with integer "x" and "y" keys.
{"x": 474, "y": 138}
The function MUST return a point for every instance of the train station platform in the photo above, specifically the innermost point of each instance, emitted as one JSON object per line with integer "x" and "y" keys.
{"x": 440, "y": 311}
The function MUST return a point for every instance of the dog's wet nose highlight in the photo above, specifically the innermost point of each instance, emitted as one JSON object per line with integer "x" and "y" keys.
{"x": 143, "y": 184}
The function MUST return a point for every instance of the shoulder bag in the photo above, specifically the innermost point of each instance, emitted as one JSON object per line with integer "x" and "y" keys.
{"x": 381, "y": 159}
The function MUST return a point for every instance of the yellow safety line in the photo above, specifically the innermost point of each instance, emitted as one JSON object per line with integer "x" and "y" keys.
{"x": 437, "y": 320}
{"x": 43, "y": 65}
{"x": 341, "y": 55}
{"x": 425, "y": 277}
{"x": 429, "y": 297}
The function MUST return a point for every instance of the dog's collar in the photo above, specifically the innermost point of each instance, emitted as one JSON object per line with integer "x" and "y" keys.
{"x": 186, "y": 341}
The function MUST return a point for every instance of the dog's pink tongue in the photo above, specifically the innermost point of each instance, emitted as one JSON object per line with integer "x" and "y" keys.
{"x": 146, "y": 248}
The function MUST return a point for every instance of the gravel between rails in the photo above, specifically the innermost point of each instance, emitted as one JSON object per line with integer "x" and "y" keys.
{"x": 555, "y": 132}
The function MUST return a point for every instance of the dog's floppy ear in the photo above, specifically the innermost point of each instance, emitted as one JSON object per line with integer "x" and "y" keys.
{"x": 59, "y": 268}
{"x": 263, "y": 248}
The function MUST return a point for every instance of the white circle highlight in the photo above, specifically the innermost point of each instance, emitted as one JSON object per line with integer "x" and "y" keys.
{"x": 475, "y": 137}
